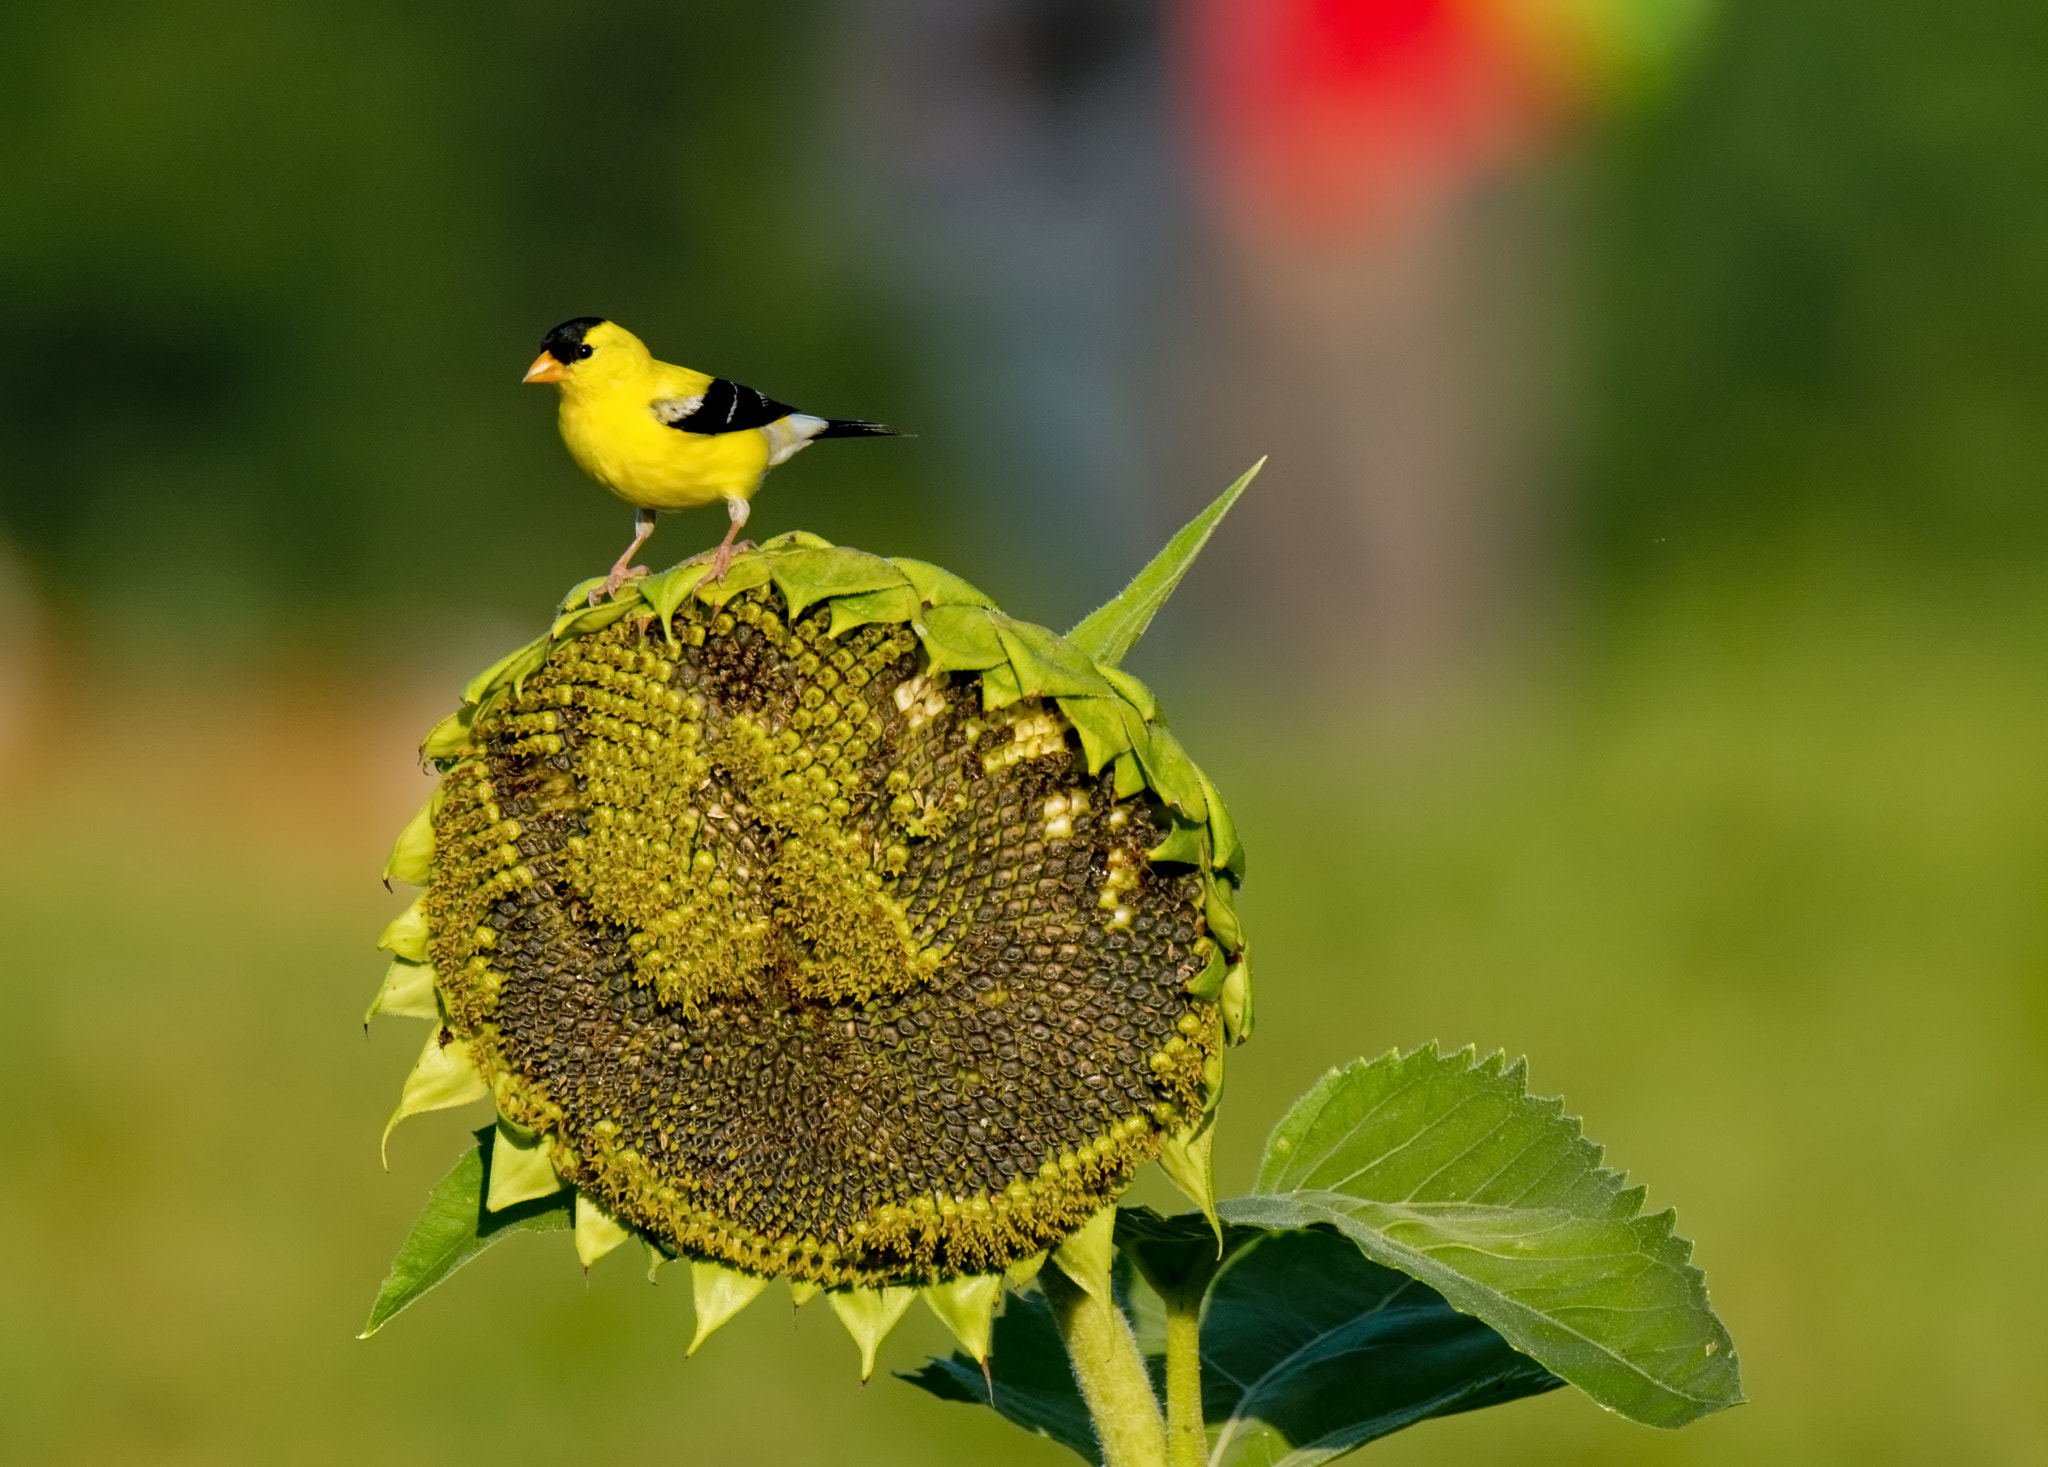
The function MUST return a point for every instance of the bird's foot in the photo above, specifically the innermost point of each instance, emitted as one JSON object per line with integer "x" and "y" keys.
{"x": 721, "y": 560}
{"x": 619, "y": 576}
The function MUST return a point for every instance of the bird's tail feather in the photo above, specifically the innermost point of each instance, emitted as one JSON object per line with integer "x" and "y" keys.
{"x": 855, "y": 428}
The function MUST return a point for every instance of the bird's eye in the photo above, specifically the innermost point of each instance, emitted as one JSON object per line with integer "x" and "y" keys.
{"x": 583, "y": 349}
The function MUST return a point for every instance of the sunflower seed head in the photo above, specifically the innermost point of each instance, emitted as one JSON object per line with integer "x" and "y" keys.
{"x": 825, "y": 922}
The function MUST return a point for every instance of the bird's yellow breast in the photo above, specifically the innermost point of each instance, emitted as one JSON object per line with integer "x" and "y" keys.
{"x": 615, "y": 437}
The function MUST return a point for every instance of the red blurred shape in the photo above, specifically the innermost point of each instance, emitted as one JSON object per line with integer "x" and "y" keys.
{"x": 1332, "y": 121}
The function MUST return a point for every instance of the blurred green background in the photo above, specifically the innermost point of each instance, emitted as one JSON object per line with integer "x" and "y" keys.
{"x": 1737, "y": 830}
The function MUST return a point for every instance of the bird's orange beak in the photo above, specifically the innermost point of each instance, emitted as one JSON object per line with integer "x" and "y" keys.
{"x": 545, "y": 369}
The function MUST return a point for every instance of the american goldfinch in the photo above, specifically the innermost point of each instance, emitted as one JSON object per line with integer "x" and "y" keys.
{"x": 665, "y": 437}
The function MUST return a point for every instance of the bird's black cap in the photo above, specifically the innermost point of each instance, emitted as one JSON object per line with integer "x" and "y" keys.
{"x": 565, "y": 342}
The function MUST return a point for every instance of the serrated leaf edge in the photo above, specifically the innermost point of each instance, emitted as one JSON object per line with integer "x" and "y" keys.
{"x": 1654, "y": 1233}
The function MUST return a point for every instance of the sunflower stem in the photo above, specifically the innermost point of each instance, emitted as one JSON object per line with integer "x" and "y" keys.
{"x": 1187, "y": 1438}
{"x": 1110, "y": 1371}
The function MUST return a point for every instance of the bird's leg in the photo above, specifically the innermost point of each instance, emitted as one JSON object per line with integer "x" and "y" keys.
{"x": 722, "y": 558}
{"x": 623, "y": 570}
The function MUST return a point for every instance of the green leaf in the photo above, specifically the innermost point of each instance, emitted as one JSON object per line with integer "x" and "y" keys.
{"x": 507, "y": 669}
{"x": 666, "y": 590}
{"x": 1186, "y": 843}
{"x": 1236, "y": 1001}
{"x": 808, "y": 576}
{"x": 962, "y": 637}
{"x": 405, "y": 936}
{"x": 1309, "y": 1349}
{"x": 448, "y": 738}
{"x": 748, "y": 570}
{"x": 412, "y": 855}
{"x": 869, "y": 1315}
{"x": 895, "y": 605}
{"x": 581, "y": 621}
{"x": 1227, "y": 848}
{"x": 1100, "y": 723}
{"x": 407, "y": 992}
{"x": 1047, "y": 665}
{"x": 1208, "y": 984}
{"x": 1221, "y": 912}
{"x": 937, "y": 586}
{"x": 1112, "y": 629}
{"x": 967, "y": 1306}
{"x": 1088, "y": 1254}
{"x": 1135, "y": 692}
{"x": 999, "y": 687}
{"x": 795, "y": 540}
{"x": 1171, "y": 773}
{"x": 1448, "y": 1170}
{"x": 453, "y": 1228}
{"x": 1029, "y": 1380}
{"x": 1188, "y": 1157}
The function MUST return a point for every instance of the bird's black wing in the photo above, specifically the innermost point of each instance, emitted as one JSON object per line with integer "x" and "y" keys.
{"x": 723, "y": 407}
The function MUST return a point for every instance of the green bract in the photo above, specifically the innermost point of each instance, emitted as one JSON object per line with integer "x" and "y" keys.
{"x": 824, "y": 922}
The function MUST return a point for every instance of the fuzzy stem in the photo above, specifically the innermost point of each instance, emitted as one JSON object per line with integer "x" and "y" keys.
{"x": 1110, "y": 1372}
{"x": 1187, "y": 1439}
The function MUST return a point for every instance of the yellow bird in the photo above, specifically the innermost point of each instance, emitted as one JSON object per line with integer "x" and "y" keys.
{"x": 665, "y": 437}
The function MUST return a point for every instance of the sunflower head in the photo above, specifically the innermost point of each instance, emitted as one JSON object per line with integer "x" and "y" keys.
{"x": 824, "y": 923}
